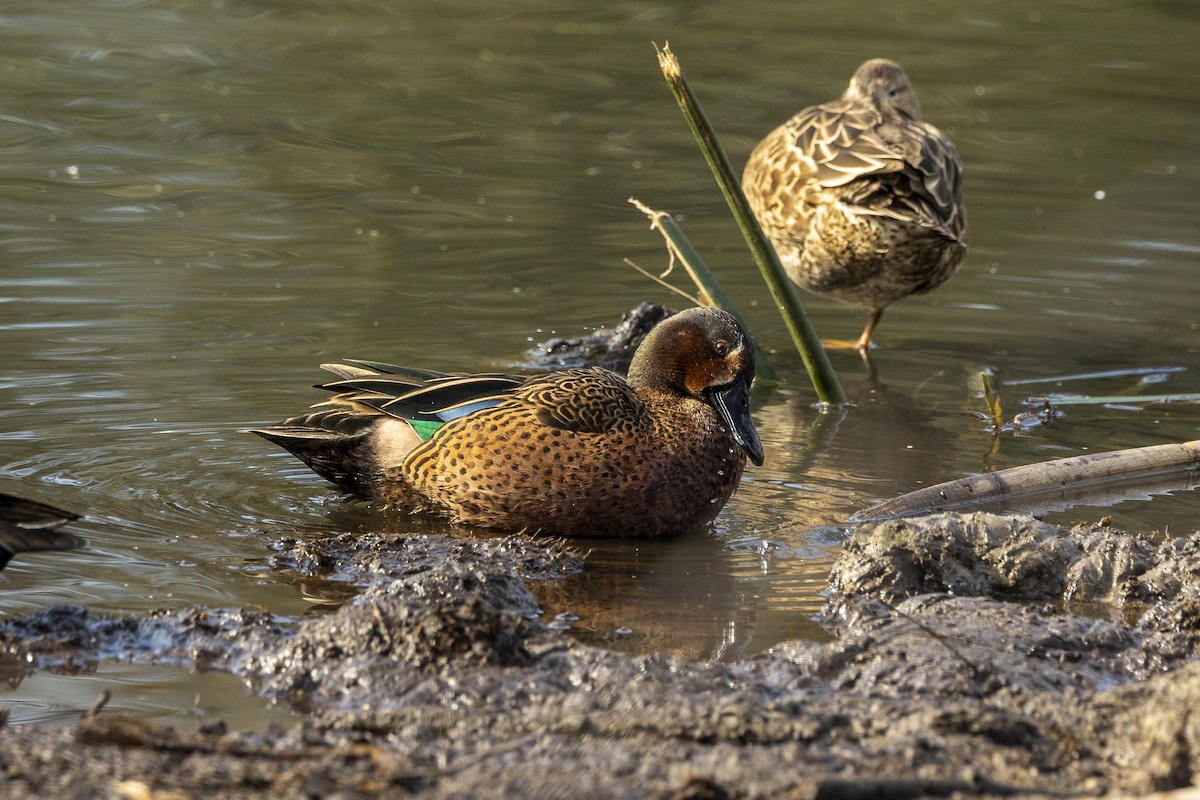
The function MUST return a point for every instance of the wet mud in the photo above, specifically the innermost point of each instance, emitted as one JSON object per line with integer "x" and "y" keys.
{"x": 974, "y": 656}
{"x": 606, "y": 347}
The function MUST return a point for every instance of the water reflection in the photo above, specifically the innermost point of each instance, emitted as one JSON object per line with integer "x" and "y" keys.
{"x": 692, "y": 596}
{"x": 706, "y": 594}
{"x": 883, "y": 438}
{"x": 173, "y": 696}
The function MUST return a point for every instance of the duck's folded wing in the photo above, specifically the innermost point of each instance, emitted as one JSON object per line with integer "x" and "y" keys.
{"x": 833, "y": 144}
{"x": 588, "y": 400}
{"x": 905, "y": 170}
{"x": 414, "y": 394}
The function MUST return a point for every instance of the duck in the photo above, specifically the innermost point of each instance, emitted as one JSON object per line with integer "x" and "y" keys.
{"x": 27, "y": 526}
{"x": 861, "y": 198}
{"x": 577, "y": 452}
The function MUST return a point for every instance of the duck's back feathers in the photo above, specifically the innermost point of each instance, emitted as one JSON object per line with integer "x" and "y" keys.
{"x": 586, "y": 400}
{"x": 845, "y": 150}
{"x": 416, "y": 394}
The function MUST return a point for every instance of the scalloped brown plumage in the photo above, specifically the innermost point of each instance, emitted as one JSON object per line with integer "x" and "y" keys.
{"x": 580, "y": 452}
{"x": 862, "y": 198}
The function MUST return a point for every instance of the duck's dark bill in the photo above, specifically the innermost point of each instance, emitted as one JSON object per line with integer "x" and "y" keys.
{"x": 733, "y": 404}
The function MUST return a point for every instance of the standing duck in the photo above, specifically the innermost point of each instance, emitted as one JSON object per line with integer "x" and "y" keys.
{"x": 861, "y": 198}
{"x": 581, "y": 452}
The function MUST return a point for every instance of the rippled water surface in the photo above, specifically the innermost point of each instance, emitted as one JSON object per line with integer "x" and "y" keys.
{"x": 202, "y": 201}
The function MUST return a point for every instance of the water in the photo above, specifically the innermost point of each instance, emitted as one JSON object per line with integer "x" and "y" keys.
{"x": 200, "y": 202}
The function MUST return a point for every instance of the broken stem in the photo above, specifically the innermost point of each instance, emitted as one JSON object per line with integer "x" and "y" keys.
{"x": 787, "y": 301}
{"x": 992, "y": 400}
{"x": 711, "y": 294}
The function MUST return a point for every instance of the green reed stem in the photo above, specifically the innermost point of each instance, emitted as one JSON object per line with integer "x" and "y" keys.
{"x": 816, "y": 361}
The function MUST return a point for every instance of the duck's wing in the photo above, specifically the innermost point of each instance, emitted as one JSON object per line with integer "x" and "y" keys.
{"x": 936, "y": 184}
{"x": 587, "y": 400}
{"x": 415, "y": 395}
{"x": 923, "y": 184}
{"x": 591, "y": 399}
{"x": 379, "y": 413}
{"x": 367, "y": 391}
{"x": 28, "y": 526}
{"x": 819, "y": 148}
{"x": 845, "y": 151}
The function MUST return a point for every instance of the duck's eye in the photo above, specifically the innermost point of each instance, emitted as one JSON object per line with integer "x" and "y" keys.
{"x": 722, "y": 347}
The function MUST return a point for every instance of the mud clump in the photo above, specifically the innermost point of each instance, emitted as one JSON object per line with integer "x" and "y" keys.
{"x": 975, "y": 656}
{"x": 1018, "y": 558}
{"x": 606, "y": 347}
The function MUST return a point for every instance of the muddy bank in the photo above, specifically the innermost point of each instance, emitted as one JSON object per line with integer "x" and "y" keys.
{"x": 976, "y": 656}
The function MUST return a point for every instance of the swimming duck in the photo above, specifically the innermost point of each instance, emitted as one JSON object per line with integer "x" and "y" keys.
{"x": 860, "y": 197}
{"x": 27, "y": 526}
{"x": 581, "y": 452}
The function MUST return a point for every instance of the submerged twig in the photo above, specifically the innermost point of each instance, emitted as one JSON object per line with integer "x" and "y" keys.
{"x": 1087, "y": 376}
{"x": 787, "y": 301}
{"x": 99, "y": 705}
{"x": 1100, "y": 400}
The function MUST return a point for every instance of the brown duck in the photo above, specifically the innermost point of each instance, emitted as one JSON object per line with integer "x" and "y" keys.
{"x": 581, "y": 452}
{"x": 861, "y": 198}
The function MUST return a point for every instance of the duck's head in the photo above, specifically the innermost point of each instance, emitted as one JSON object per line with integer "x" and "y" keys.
{"x": 703, "y": 353}
{"x": 884, "y": 84}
